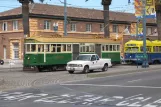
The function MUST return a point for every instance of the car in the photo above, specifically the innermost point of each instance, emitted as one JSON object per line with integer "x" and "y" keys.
{"x": 87, "y": 63}
{"x": 1, "y": 62}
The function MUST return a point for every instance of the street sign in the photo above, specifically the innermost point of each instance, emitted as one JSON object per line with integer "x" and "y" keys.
{"x": 141, "y": 56}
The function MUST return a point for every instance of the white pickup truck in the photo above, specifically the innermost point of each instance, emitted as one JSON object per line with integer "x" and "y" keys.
{"x": 87, "y": 63}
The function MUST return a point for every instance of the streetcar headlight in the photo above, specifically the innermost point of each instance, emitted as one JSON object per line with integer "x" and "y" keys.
{"x": 28, "y": 58}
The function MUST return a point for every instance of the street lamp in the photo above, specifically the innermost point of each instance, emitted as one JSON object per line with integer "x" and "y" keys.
{"x": 145, "y": 61}
{"x": 65, "y": 17}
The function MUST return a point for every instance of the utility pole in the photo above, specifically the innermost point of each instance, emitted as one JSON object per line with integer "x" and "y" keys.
{"x": 65, "y": 17}
{"x": 145, "y": 61}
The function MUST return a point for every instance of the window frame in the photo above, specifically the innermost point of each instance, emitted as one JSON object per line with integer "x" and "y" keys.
{"x": 6, "y": 27}
{"x": 15, "y": 24}
{"x": 46, "y": 22}
{"x": 88, "y": 27}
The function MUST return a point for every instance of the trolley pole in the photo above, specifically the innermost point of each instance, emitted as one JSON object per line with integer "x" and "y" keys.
{"x": 145, "y": 61}
{"x": 65, "y": 17}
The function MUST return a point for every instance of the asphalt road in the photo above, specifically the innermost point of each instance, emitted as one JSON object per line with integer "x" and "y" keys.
{"x": 128, "y": 90}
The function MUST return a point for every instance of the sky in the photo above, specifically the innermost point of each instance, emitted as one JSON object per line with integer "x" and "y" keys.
{"x": 117, "y": 5}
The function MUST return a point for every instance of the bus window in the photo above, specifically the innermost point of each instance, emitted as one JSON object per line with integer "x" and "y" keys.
{"x": 58, "y": 47}
{"x": 28, "y": 47}
{"x": 53, "y": 47}
{"x": 33, "y": 48}
{"x": 40, "y": 48}
{"x": 69, "y": 48}
{"x": 64, "y": 47}
{"x": 159, "y": 48}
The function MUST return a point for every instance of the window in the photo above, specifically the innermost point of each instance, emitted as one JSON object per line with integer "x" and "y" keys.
{"x": 73, "y": 27}
{"x": 86, "y": 47}
{"x": 88, "y": 27}
{"x": 53, "y": 47}
{"x": 33, "y": 48}
{"x": 69, "y": 47}
{"x": 28, "y": 47}
{"x": 115, "y": 28}
{"x": 4, "y": 26}
{"x": 47, "y": 25}
{"x": 16, "y": 50}
{"x": 149, "y": 30}
{"x": 93, "y": 58}
{"x": 64, "y": 47}
{"x": 128, "y": 27}
{"x": 58, "y": 47}
{"x": 47, "y": 48}
{"x": 15, "y": 25}
{"x": 101, "y": 27}
{"x": 40, "y": 48}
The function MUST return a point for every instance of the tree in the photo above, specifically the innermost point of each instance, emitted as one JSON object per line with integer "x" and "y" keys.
{"x": 158, "y": 16}
{"x": 106, "y": 4}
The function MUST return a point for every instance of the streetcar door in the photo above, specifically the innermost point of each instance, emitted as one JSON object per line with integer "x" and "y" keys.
{"x": 75, "y": 51}
{"x": 98, "y": 50}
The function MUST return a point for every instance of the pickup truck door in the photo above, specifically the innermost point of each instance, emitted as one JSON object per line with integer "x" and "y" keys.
{"x": 94, "y": 64}
{"x": 99, "y": 62}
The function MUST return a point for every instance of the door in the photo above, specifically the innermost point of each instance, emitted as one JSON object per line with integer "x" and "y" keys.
{"x": 94, "y": 64}
{"x": 98, "y": 50}
{"x": 75, "y": 51}
{"x": 5, "y": 52}
{"x": 15, "y": 50}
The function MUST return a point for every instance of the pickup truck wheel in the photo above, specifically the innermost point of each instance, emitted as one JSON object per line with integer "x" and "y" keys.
{"x": 71, "y": 72}
{"x": 105, "y": 68}
{"x": 86, "y": 69}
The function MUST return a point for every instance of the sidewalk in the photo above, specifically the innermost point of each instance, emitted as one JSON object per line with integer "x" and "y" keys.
{"x": 8, "y": 64}
{"x": 123, "y": 69}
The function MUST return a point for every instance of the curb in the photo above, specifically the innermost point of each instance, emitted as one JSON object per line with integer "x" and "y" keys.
{"x": 104, "y": 74}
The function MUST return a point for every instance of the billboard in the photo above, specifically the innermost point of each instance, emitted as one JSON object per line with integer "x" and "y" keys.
{"x": 150, "y": 8}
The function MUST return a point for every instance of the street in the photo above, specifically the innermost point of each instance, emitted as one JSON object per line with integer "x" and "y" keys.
{"x": 141, "y": 89}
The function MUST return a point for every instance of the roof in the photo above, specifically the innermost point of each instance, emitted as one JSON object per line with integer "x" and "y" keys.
{"x": 54, "y": 10}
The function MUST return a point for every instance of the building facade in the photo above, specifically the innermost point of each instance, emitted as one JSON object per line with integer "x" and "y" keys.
{"x": 49, "y": 20}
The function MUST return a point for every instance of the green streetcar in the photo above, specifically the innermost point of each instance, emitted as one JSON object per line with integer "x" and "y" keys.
{"x": 53, "y": 53}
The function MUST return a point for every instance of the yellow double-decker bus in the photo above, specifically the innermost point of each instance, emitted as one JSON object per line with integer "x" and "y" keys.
{"x": 134, "y": 51}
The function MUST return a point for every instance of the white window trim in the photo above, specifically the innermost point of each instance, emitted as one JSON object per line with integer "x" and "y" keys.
{"x": 90, "y": 27}
{"x": 45, "y": 22}
{"x": 75, "y": 27}
{"x": 16, "y": 25}
{"x": 6, "y": 26}
{"x": 117, "y": 30}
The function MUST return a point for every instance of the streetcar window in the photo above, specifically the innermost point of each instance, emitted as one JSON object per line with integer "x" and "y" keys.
{"x": 58, "y": 47}
{"x": 107, "y": 47}
{"x": 114, "y": 47}
{"x": 87, "y": 49}
{"x": 159, "y": 48}
{"x": 53, "y": 47}
{"x": 64, "y": 47}
{"x": 110, "y": 48}
{"x": 47, "y": 48}
{"x": 103, "y": 48}
{"x": 28, "y": 47}
{"x": 40, "y": 48}
{"x": 33, "y": 48}
{"x": 69, "y": 48}
{"x": 91, "y": 48}
{"x": 118, "y": 47}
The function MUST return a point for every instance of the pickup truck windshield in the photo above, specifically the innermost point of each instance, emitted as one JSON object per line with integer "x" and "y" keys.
{"x": 84, "y": 57}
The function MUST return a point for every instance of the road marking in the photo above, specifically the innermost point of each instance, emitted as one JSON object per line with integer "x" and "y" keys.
{"x": 142, "y": 72}
{"x": 120, "y": 86}
{"x": 135, "y": 80}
